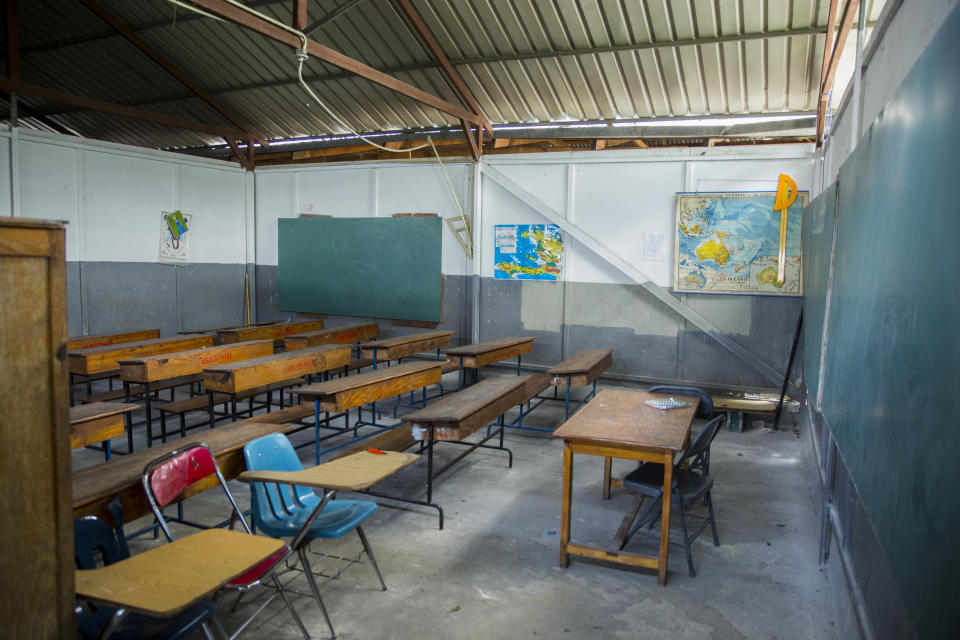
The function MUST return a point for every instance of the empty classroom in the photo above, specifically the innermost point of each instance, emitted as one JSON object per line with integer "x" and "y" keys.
{"x": 405, "y": 319}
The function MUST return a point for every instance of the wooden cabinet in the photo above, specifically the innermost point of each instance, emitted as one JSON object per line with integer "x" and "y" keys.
{"x": 36, "y": 537}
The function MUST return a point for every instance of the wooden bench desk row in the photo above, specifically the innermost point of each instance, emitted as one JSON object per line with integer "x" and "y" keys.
{"x": 350, "y": 334}
{"x": 98, "y": 422}
{"x": 276, "y": 332}
{"x": 78, "y": 343}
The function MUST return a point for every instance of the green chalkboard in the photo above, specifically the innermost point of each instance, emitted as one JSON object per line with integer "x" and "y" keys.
{"x": 819, "y": 218}
{"x": 369, "y": 267}
{"x": 892, "y": 364}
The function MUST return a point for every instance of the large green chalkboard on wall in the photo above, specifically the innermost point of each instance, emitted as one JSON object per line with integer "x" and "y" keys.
{"x": 369, "y": 267}
{"x": 893, "y": 355}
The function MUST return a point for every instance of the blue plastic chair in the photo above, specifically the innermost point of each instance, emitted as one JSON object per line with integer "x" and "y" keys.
{"x": 281, "y": 510}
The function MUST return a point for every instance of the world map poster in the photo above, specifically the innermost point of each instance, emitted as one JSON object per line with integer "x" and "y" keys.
{"x": 527, "y": 252}
{"x": 729, "y": 242}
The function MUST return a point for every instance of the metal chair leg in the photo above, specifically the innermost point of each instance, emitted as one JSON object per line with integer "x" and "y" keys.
{"x": 293, "y": 612}
{"x": 713, "y": 519}
{"x": 302, "y": 551}
{"x": 686, "y": 537}
{"x": 373, "y": 561}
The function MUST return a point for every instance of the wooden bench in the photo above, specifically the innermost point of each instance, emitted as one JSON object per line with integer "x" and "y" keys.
{"x": 351, "y": 334}
{"x": 352, "y": 392}
{"x": 402, "y": 346}
{"x": 234, "y": 378}
{"x": 580, "y": 370}
{"x": 275, "y": 332}
{"x": 150, "y": 371}
{"x": 481, "y": 354}
{"x": 98, "y": 422}
{"x": 202, "y": 403}
{"x": 94, "y": 487}
{"x": 737, "y": 407}
{"x": 452, "y": 419}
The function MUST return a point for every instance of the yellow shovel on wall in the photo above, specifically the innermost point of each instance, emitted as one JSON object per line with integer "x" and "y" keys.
{"x": 786, "y": 194}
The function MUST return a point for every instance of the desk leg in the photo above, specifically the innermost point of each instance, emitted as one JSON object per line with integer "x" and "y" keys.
{"x": 565, "y": 504}
{"x": 430, "y": 466}
{"x": 213, "y": 421}
{"x": 607, "y": 469}
{"x": 316, "y": 429}
{"x": 127, "y": 417}
{"x": 148, "y": 410}
{"x": 566, "y": 405}
{"x": 665, "y": 519}
{"x": 460, "y": 372}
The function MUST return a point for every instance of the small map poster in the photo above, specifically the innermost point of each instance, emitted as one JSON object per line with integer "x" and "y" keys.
{"x": 174, "y": 249}
{"x": 528, "y": 252}
{"x": 729, "y": 242}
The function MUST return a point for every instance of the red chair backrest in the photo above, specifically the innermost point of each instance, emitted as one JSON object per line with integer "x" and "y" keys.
{"x": 173, "y": 476}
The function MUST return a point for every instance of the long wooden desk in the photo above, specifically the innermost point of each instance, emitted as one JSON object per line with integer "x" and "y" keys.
{"x": 78, "y": 343}
{"x": 457, "y": 415}
{"x": 99, "y": 359}
{"x": 276, "y": 332}
{"x": 165, "y": 580}
{"x": 152, "y": 369}
{"x": 408, "y": 345}
{"x": 617, "y": 424}
{"x": 350, "y": 334}
{"x": 232, "y": 378}
{"x": 583, "y": 368}
{"x": 94, "y": 487}
{"x": 480, "y": 354}
{"x": 351, "y": 392}
{"x": 98, "y": 422}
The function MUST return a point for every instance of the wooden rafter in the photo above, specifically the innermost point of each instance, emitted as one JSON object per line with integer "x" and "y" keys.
{"x": 299, "y": 14}
{"x": 116, "y": 109}
{"x": 237, "y": 15}
{"x": 829, "y": 71}
{"x": 241, "y": 158}
{"x": 331, "y": 16}
{"x": 131, "y": 36}
{"x": 13, "y": 41}
{"x": 451, "y": 75}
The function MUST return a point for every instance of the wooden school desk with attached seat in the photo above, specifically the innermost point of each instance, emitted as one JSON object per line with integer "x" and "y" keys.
{"x": 350, "y": 334}
{"x": 98, "y": 422}
{"x": 583, "y": 368}
{"x": 286, "y": 368}
{"x": 351, "y": 392}
{"x": 275, "y": 332}
{"x": 187, "y": 365}
{"x": 481, "y": 354}
{"x": 618, "y": 424}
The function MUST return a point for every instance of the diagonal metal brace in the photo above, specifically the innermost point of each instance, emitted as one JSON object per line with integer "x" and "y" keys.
{"x": 634, "y": 274}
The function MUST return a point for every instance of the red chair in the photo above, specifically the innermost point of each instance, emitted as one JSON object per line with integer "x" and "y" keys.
{"x": 167, "y": 477}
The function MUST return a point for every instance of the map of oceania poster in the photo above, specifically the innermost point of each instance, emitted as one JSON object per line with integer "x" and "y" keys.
{"x": 527, "y": 252}
{"x": 729, "y": 243}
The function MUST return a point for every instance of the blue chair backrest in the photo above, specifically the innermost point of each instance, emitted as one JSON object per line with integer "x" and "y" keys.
{"x": 704, "y": 410}
{"x": 94, "y": 538}
{"x": 275, "y": 453}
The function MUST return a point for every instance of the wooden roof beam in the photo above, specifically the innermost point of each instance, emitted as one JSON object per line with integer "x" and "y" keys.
{"x": 128, "y": 33}
{"x": 116, "y": 109}
{"x": 331, "y": 16}
{"x": 829, "y": 71}
{"x": 430, "y": 43}
{"x": 246, "y": 19}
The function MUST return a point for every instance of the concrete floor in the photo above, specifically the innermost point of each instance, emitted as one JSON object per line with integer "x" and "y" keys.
{"x": 493, "y": 571}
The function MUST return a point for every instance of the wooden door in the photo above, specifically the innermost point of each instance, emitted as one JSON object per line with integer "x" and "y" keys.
{"x": 36, "y": 536}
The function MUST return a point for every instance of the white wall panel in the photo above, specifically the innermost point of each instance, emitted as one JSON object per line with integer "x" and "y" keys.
{"x": 123, "y": 199}
{"x": 48, "y": 187}
{"x": 340, "y": 192}
{"x": 216, "y": 199}
{"x": 276, "y": 198}
{"x": 4, "y": 173}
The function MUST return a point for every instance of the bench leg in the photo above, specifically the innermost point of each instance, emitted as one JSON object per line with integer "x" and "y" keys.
{"x": 127, "y": 417}
{"x": 149, "y": 416}
{"x": 106, "y": 448}
{"x": 183, "y": 424}
{"x": 233, "y": 406}
{"x": 566, "y": 406}
{"x": 210, "y": 409}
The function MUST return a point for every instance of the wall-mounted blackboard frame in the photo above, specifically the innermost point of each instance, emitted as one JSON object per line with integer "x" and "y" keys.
{"x": 368, "y": 267}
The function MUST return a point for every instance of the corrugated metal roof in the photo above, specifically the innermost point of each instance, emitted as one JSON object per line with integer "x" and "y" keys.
{"x": 525, "y": 61}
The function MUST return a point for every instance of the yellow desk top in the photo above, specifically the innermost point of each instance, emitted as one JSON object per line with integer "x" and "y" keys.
{"x": 167, "y": 579}
{"x": 355, "y": 472}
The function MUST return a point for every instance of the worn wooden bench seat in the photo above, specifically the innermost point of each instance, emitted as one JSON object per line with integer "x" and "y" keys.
{"x": 275, "y": 332}
{"x": 202, "y": 403}
{"x": 399, "y": 438}
{"x": 407, "y": 345}
{"x": 579, "y": 370}
{"x": 94, "y": 487}
{"x": 354, "y": 365}
{"x": 78, "y": 343}
{"x": 136, "y": 390}
{"x": 481, "y": 354}
{"x": 100, "y": 359}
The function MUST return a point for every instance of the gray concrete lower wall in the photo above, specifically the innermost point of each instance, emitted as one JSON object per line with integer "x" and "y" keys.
{"x": 649, "y": 340}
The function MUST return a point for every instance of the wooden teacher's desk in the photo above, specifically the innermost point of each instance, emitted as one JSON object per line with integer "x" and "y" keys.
{"x": 167, "y": 579}
{"x": 617, "y": 424}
